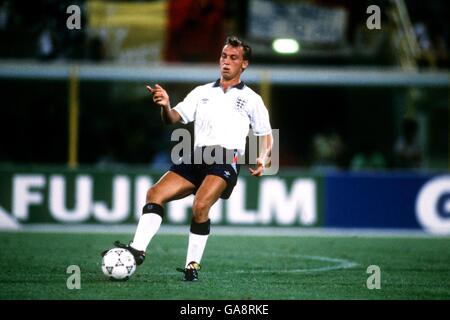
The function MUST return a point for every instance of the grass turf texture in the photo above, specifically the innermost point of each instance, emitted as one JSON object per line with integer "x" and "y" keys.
{"x": 33, "y": 266}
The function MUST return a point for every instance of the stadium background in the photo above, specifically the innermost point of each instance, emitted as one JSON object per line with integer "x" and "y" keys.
{"x": 80, "y": 140}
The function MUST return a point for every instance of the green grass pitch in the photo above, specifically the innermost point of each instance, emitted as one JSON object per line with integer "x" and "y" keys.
{"x": 34, "y": 266}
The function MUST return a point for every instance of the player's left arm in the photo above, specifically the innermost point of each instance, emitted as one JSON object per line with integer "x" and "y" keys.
{"x": 263, "y": 159}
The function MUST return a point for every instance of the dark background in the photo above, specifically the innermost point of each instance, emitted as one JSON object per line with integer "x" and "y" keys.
{"x": 120, "y": 126}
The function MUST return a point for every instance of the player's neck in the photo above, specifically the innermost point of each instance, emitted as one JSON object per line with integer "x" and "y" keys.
{"x": 227, "y": 84}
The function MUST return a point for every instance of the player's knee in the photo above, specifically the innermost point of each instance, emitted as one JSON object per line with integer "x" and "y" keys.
{"x": 153, "y": 196}
{"x": 200, "y": 209}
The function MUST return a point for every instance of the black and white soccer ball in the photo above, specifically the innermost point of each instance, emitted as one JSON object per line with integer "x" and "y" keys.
{"x": 118, "y": 264}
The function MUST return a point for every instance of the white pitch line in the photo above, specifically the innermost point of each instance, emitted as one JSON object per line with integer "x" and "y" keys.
{"x": 340, "y": 264}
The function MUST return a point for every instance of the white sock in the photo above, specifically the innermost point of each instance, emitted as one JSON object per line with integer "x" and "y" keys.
{"x": 148, "y": 225}
{"x": 196, "y": 247}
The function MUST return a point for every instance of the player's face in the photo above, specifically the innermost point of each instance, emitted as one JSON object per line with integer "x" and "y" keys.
{"x": 232, "y": 62}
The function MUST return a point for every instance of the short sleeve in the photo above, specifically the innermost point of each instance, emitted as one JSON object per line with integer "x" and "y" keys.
{"x": 188, "y": 106}
{"x": 259, "y": 118}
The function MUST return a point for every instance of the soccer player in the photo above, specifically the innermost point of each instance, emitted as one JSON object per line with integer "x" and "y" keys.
{"x": 222, "y": 112}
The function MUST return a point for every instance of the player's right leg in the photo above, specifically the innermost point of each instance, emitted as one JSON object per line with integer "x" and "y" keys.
{"x": 171, "y": 186}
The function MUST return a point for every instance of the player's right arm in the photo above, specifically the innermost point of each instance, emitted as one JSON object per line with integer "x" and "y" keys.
{"x": 161, "y": 98}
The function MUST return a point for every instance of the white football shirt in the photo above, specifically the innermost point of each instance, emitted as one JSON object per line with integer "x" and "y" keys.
{"x": 223, "y": 118}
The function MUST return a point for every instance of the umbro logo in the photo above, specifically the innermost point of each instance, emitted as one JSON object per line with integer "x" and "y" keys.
{"x": 205, "y": 100}
{"x": 227, "y": 173}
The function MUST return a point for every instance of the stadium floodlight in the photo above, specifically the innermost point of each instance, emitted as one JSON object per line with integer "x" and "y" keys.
{"x": 285, "y": 46}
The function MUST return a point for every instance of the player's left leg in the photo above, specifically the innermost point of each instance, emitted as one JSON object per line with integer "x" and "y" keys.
{"x": 209, "y": 192}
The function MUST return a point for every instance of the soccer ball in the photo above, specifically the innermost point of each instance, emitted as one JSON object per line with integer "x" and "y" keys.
{"x": 118, "y": 264}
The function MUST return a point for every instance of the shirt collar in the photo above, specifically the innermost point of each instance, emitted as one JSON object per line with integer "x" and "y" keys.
{"x": 239, "y": 86}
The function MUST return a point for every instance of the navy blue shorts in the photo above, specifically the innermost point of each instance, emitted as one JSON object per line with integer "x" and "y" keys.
{"x": 196, "y": 173}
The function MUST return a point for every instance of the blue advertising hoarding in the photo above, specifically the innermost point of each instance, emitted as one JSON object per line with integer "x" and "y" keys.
{"x": 387, "y": 200}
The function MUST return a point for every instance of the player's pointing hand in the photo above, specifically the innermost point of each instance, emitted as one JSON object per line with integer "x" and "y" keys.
{"x": 160, "y": 96}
